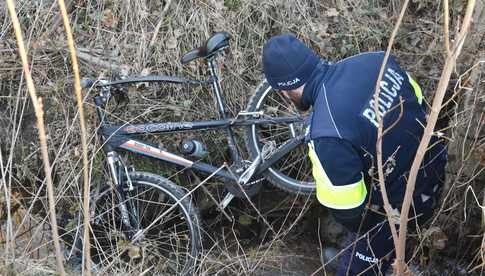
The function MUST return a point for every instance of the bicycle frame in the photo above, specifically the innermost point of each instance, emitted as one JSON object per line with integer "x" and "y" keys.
{"x": 118, "y": 137}
{"x": 121, "y": 136}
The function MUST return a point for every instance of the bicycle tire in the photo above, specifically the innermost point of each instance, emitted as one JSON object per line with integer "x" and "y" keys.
{"x": 280, "y": 175}
{"x": 154, "y": 253}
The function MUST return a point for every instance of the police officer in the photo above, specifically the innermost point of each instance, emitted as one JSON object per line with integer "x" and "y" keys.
{"x": 342, "y": 142}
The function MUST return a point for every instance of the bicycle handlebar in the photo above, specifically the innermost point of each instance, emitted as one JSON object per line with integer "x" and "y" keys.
{"x": 160, "y": 78}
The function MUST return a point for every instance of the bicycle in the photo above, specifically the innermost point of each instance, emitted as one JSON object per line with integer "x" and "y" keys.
{"x": 146, "y": 222}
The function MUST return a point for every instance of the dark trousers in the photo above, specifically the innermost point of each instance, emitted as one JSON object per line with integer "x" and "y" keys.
{"x": 372, "y": 253}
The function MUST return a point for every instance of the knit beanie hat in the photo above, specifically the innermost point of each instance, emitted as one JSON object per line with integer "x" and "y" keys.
{"x": 287, "y": 62}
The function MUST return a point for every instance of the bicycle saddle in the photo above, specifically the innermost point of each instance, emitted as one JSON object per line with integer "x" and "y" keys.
{"x": 215, "y": 43}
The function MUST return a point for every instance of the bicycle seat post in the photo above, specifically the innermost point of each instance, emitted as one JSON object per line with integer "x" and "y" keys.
{"x": 216, "y": 86}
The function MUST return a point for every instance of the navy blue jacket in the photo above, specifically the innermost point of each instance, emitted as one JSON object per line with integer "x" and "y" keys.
{"x": 344, "y": 126}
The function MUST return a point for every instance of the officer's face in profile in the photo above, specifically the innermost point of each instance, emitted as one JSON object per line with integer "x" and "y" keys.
{"x": 295, "y": 96}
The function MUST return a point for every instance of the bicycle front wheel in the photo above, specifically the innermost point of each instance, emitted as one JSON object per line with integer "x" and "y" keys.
{"x": 293, "y": 172}
{"x": 167, "y": 226}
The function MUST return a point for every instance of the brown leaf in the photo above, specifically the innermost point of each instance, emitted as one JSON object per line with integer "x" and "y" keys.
{"x": 145, "y": 72}
{"x": 332, "y": 12}
{"x": 171, "y": 42}
{"x": 218, "y": 4}
{"x": 178, "y": 32}
{"x": 109, "y": 20}
{"x": 438, "y": 238}
{"x": 134, "y": 252}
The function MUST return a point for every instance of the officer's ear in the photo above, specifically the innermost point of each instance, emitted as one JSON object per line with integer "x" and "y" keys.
{"x": 285, "y": 94}
{"x": 305, "y": 100}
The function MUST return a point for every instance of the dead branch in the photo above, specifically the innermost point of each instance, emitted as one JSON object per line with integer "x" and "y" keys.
{"x": 98, "y": 61}
{"x": 58, "y": 19}
{"x": 79, "y": 99}
{"x": 157, "y": 28}
{"x": 39, "y": 113}
{"x": 446, "y": 27}
{"x": 160, "y": 21}
{"x": 428, "y": 131}
{"x": 387, "y": 206}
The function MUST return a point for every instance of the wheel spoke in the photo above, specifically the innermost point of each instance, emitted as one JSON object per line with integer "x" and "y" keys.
{"x": 292, "y": 170}
{"x": 165, "y": 248}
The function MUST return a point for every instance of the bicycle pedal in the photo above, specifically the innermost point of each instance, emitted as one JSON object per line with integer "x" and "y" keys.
{"x": 246, "y": 175}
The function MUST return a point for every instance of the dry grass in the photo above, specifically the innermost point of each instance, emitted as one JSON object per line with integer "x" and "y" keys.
{"x": 113, "y": 40}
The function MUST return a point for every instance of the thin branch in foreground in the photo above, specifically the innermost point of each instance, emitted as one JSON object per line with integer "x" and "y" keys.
{"x": 446, "y": 27}
{"x": 429, "y": 130}
{"x": 39, "y": 114}
{"x": 380, "y": 134}
{"x": 77, "y": 89}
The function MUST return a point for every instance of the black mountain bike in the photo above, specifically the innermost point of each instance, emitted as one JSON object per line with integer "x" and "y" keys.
{"x": 144, "y": 223}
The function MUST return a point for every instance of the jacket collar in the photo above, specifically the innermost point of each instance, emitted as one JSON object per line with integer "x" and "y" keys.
{"x": 310, "y": 92}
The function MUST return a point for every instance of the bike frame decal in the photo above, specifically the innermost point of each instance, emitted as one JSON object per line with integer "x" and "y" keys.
{"x": 169, "y": 127}
{"x": 158, "y": 127}
{"x": 151, "y": 151}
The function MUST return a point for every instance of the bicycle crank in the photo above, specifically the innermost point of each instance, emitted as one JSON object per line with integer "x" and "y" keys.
{"x": 243, "y": 189}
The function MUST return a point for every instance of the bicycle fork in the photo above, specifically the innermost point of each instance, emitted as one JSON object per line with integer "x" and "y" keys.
{"x": 117, "y": 168}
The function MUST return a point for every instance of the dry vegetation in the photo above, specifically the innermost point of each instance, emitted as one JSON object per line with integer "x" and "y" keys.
{"x": 118, "y": 38}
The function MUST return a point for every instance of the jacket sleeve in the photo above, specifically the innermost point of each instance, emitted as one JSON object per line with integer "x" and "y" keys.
{"x": 339, "y": 177}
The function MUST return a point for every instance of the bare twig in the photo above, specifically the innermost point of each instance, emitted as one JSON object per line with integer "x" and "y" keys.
{"x": 39, "y": 113}
{"x": 9, "y": 210}
{"x": 428, "y": 131}
{"x": 160, "y": 21}
{"x": 483, "y": 220}
{"x": 98, "y": 61}
{"x": 380, "y": 135}
{"x": 446, "y": 27}
{"x": 157, "y": 29}
{"x": 56, "y": 21}
{"x": 208, "y": 193}
{"x": 482, "y": 250}
{"x": 251, "y": 202}
{"x": 77, "y": 90}
{"x": 401, "y": 113}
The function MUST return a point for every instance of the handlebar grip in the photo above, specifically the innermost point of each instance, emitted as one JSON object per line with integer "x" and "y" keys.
{"x": 86, "y": 83}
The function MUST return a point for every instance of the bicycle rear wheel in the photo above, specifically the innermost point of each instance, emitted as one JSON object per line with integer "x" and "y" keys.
{"x": 169, "y": 223}
{"x": 293, "y": 172}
